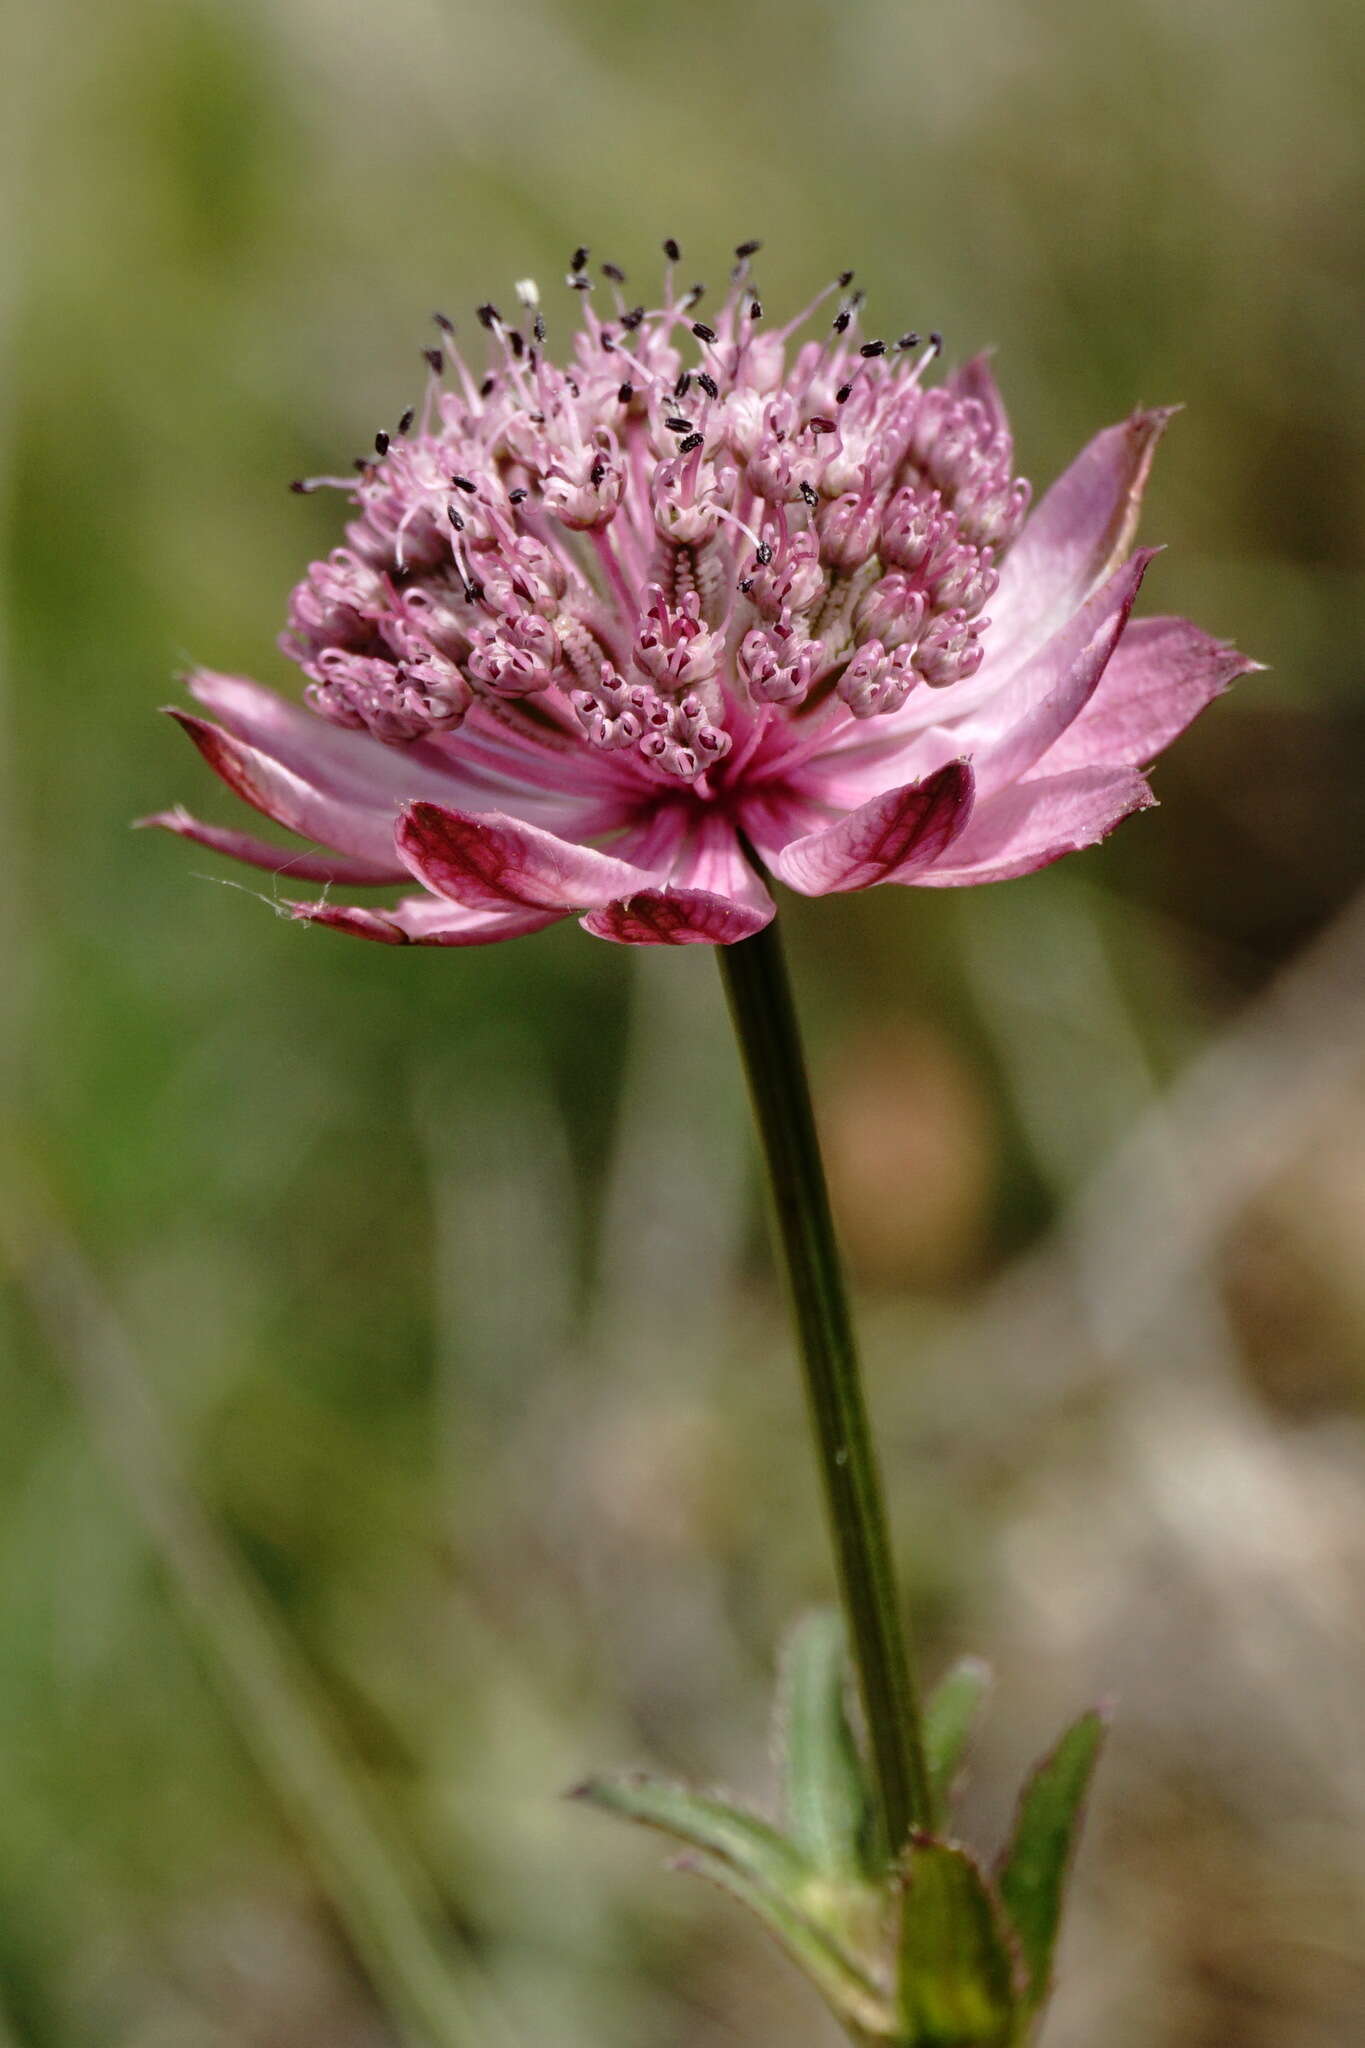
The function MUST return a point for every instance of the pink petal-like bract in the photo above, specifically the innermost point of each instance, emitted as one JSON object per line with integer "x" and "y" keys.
{"x": 702, "y": 602}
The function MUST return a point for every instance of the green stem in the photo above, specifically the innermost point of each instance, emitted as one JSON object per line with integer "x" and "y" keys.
{"x": 764, "y": 1017}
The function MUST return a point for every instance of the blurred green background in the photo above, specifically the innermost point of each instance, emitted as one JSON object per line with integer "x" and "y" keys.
{"x": 446, "y": 1272}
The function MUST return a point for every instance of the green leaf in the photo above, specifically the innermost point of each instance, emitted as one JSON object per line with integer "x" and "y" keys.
{"x": 1034, "y": 1869}
{"x": 950, "y": 1716}
{"x": 846, "y": 1988}
{"x": 741, "y": 1840}
{"x": 957, "y": 1969}
{"x": 824, "y": 1790}
{"x": 756, "y": 1865}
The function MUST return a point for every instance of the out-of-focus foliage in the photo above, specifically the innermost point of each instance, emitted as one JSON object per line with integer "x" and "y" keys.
{"x": 446, "y": 1267}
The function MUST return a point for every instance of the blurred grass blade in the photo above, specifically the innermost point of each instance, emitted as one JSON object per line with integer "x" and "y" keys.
{"x": 740, "y": 1840}
{"x": 1034, "y": 1869}
{"x": 957, "y": 1972}
{"x": 824, "y": 1788}
{"x": 847, "y": 1989}
{"x": 951, "y": 1713}
{"x": 382, "y": 1896}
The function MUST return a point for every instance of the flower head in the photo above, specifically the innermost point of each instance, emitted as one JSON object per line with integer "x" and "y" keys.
{"x": 705, "y": 601}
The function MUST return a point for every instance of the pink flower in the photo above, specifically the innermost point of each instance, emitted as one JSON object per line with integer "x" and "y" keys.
{"x": 704, "y": 606}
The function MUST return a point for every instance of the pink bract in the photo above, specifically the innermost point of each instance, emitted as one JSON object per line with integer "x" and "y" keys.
{"x": 708, "y": 605}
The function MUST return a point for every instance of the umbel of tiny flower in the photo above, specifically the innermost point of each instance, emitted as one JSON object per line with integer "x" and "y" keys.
{"x": 932, "y": 1948}
{"x": 705, "y": 601}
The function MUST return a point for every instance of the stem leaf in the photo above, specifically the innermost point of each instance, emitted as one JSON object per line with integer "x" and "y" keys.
{"x": 951, "y": 1713}
{"x": 847, "y": 1989}
{"x": 1034, "y": 1869}
{"x": 804, "y": 1910}
{"x": 826, "y": 1799}
{"x": 958, "y": 1973}
{"x": 740, "y": 1840}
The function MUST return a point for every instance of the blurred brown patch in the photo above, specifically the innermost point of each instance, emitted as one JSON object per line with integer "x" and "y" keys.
{"x": 1296, "y": 1283}
{"x": 912, "y": 1156}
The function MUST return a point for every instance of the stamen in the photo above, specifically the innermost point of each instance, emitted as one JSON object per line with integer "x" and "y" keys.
{"x": 733, "y": 519}
{"x": 806, "y": 312}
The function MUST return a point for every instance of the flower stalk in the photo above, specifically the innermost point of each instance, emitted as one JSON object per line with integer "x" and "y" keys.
{"x": 758, "y": 990}
{"x": 606, "y": 634}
